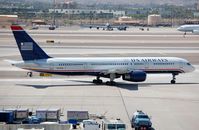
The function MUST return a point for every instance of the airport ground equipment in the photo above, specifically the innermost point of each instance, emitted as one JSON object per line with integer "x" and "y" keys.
{"x": 89, "y": 125}
{"x": 141, "y": 121}
{"x": 53, "y": 114}
{"x": 14, "y": 110}
{"x": 51, "y": 28}
{"x": 45, "y": 74}
{"x": 22, "y": 114}
{"x": 113, "y": 125}
{"x": 31, "y": 120}
{"x": 6, "y": 116}
{"x": 42, "y": 114}
{"x": 77, "y": 115}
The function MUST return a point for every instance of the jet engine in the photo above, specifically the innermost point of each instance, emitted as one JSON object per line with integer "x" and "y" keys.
{"x": 135, "y": 76}
{"x": 196, "y": 32}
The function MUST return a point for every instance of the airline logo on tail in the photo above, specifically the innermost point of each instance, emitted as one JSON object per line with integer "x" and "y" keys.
{"x": 26, "y": 46}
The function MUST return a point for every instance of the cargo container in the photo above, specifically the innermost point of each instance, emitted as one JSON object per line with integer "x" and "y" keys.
{"x": 14, "y": 110}
{"x": 77, "y": 115}
{"x": 22, "y": 114}
{"x": 6, "y": 116}
{"x": 42, "y": 114}
{"x": 53, "y": 114}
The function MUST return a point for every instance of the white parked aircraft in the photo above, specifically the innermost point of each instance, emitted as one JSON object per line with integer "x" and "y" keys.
{"x": 133, "y": 69}
{"x": 108, "y": 26}
{"x": 189, "y": 28}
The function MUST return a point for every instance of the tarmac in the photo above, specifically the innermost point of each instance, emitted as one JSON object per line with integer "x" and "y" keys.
{"x": 171, "y": 106}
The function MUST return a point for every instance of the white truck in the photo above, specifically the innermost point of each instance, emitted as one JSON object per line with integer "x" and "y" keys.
{"x": 89, "y": 125}
{"x": 113, "y": 125}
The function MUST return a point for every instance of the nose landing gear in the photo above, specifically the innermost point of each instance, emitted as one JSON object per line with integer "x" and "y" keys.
{"x": 173, "y": 81}
{"x": 29, "y": 74}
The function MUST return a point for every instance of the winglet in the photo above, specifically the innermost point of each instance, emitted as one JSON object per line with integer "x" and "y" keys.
{"x": 16, "y": 28}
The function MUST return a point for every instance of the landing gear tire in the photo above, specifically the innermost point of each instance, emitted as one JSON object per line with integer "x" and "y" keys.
{"x": 99, "y": 81}
{"x": 111, "y": 83}
{"x": 173, "y": 81}
{"x": 29, "y": 74}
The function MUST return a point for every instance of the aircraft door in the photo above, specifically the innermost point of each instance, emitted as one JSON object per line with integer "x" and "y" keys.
{"x": 181, "y": 65}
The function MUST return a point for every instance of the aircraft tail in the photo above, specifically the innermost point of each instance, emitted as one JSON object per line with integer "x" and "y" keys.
{"x": 28, "y": 48}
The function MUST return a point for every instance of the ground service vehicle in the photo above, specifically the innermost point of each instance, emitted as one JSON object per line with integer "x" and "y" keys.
{"x": 90, "y": 125}
{"x": 141, "y": 121}
{"x": 113, "y": 125}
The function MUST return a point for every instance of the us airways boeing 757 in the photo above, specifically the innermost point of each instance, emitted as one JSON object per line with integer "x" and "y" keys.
{"x": 133, "y": 69}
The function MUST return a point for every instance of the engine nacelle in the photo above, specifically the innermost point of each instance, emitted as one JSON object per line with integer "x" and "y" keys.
{"x": 196, "y": 32}
{"x": 135, "y": 76}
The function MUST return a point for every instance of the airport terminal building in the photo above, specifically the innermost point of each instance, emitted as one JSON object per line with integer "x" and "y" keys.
{"x": 89, "y": 13}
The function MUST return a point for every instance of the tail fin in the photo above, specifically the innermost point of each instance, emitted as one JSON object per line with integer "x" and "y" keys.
{"x": 27, "y": 46}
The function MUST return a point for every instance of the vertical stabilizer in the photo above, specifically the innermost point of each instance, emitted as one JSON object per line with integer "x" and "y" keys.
{"x": 27, "y": 46}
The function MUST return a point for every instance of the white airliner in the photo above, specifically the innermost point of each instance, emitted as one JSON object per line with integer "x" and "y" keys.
{"x": 108, "y": 27}
{"x": 133, "y": 69}
{"x": 189, "y": 28}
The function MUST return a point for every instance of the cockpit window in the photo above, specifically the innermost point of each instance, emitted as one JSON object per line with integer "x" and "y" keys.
{"x": 188, "y": 64}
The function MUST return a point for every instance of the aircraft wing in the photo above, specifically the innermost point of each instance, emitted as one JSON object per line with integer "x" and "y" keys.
{"x": 116, "y": 71}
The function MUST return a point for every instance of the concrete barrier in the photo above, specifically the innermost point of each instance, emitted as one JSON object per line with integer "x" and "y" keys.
{"x": 36, "y": 126}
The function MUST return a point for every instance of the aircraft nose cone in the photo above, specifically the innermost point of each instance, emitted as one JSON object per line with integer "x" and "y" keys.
{"x": 192, "y": 68}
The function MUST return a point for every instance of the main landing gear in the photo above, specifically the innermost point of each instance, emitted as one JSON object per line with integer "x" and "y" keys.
{"x": 173, "y": 81}
{"x": 97, "y": 80}
{"x": 111, "y": 82}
